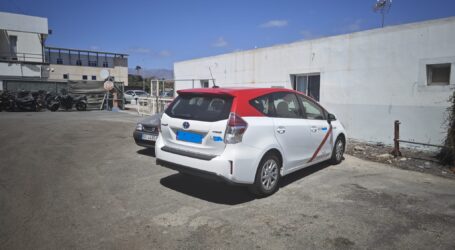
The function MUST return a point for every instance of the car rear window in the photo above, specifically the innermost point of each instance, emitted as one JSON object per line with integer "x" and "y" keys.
{"x": 199, "y": 107}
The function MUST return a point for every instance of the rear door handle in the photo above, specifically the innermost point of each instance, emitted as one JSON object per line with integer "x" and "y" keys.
{"x": 314, "y": 129}
{"x": 281, "y": 130}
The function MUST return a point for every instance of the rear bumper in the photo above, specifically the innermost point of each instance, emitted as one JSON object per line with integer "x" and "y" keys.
{"x": 197, "y": 172}
{"x": 236, "y": 165}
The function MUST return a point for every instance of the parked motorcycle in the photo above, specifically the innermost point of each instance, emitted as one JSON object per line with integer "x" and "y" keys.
{"x": 24, "y": 101}
{"x": 7, "y": 101}
{"x": 66, "y": 101}
{"x": 41, "y": 97}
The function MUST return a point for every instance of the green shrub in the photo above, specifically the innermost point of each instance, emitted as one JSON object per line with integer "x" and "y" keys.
{"x": 447, "y": 154}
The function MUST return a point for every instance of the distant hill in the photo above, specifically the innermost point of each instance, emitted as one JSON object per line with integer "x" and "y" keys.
{"x": 156, "y": 73}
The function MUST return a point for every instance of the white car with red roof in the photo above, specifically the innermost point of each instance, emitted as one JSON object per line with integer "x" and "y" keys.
{"x": 250, "y": 136}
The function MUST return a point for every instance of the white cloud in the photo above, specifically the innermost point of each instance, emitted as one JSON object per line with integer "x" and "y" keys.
{"x": 164, "y": 53}
{"x": 274, "y": 24}
{"x": 139, "y": 50}
{"x": 220, "y": 42}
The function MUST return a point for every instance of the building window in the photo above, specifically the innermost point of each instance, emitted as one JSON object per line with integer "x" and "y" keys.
{"x": 78, "y": 62}
{"x": 92, "y": 63}
{"x": 309, "y": 84}
{"x": 84, "y": 77}
{"x": 438, "y": 74}
{"x": 204, "y": 83}
{"x": 65, "y": 76}
{"x": 93, "y": 78}
{"x": 59, "y": 61}
{"x": 105, "y": 64}
{"x": 13, "y": 47}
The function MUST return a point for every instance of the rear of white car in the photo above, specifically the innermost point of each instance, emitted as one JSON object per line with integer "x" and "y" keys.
{"x": 198, "y": 134}
{"x": 226, "y": 135}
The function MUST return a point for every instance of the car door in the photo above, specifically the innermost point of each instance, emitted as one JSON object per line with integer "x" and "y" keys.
{"x": 320, "y": 130}
{"x": 296, "y": 135}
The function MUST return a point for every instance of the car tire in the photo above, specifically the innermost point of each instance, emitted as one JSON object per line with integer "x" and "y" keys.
{"x": 338, "y": 151}
{"x": 267, "y": 176}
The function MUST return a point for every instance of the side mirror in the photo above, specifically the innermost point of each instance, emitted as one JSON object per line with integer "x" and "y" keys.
{"x": 331, "y": 117}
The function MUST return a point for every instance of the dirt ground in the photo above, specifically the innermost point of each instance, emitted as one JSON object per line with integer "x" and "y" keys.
{"x": 423, "y": 161}
{"x": 77, "y": 181}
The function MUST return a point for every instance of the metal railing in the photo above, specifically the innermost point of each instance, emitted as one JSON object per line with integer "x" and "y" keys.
{"x": 396, "y": 141}
{"x": 21, "y": 57}
{"x": 152, "y": 105}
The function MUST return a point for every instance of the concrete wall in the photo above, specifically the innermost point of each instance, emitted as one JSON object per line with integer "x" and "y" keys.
{"x": 8, "y": 70}
{"x": 23, "y": 23}
{"x": 28, "y": 30}
{"x": 368, "y": 79}
{"x": 76, "y": 72}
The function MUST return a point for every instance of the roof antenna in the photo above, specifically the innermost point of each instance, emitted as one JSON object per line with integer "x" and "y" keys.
{"x": 213, "y": 79}
{"x": 383, "y": 7}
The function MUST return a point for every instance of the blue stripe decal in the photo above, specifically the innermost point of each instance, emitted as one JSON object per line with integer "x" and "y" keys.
{"x": 217, "y": 138}
{"x": 324, "y": 129}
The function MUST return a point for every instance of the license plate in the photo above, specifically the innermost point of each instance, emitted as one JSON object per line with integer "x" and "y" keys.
{"x": 149, "y": 137}
{"x": 189, "y": 137}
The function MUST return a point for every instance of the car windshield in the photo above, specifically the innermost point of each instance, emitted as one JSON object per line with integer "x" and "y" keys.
{"x": 200, "y": 107}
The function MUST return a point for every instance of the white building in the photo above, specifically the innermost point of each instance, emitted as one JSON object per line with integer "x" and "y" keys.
{"x": 368, "y": 79}
{"x": 26, "y": 63}
{"x": 21, "y": 46}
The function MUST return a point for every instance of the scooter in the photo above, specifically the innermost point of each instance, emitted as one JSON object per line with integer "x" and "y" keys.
{"x": 81, "y": 102}
{"x": 24, "y": 101}
{"x": 7, "y": 101}
{"x": 66, "y": 101}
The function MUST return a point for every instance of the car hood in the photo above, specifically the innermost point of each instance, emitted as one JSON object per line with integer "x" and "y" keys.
{"x": 152, "y": 120}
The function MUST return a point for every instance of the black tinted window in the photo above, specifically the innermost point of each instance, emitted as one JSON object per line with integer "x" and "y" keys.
{"x": 264, "y": 104}
{"x": 286, "y": 105}
{"x": 200, "y": 107}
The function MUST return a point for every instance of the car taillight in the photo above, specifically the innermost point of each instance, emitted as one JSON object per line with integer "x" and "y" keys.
{"x": 235, "y": 129}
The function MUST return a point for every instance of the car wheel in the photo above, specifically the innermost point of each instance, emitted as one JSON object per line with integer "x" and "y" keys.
{"x": 267, "y": 176}
{"x": 338, "y": 151}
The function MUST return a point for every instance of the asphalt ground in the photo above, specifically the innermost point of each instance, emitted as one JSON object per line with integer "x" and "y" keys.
{"x": 76, "y": 180}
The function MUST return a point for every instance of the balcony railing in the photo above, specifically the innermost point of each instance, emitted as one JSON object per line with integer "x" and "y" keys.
{"x": 21, "y": 57}
{"x": 88, "y": 58}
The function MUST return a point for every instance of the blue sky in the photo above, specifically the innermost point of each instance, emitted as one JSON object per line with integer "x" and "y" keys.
{"x": 158, "y": 33}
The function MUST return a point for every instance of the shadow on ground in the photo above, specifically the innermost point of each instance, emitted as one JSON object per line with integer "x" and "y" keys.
{"x": 289, "y": 179}
{"x": 147, "y": 152}
{"x": 221, "y": 193}
{"x": 212, "y": 191}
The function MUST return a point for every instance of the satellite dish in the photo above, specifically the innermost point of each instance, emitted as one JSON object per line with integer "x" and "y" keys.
{"x": 104, "y": 73}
